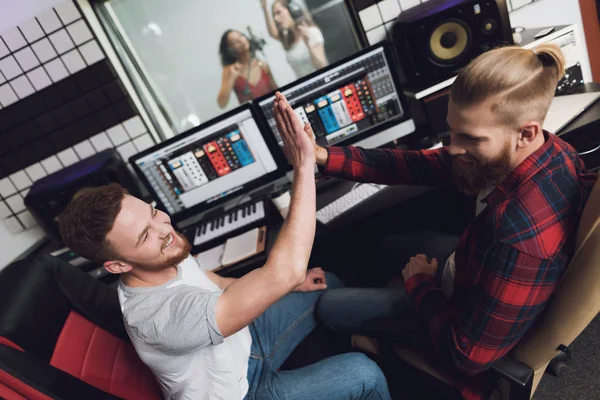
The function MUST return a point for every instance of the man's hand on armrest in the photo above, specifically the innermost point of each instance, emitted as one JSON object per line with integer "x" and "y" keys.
{"x": 248, "y": 297}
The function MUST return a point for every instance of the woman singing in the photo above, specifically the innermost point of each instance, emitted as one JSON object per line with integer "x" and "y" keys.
{"x": 301, "y": 39}
{"x": 244, "y": 74}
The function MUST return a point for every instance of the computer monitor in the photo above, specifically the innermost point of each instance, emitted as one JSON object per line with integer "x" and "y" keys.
{"x": 210, "y": 164}
{"x": 355, "y": 101}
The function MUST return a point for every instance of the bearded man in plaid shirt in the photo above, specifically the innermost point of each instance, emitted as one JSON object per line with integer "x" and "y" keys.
{"x": 474, "y": 297}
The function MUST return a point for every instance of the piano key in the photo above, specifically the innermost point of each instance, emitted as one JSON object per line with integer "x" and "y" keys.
{"x": 229, "y": 222}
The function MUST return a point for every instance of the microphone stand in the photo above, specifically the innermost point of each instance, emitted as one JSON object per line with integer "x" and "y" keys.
{"x": 255, "y": 45}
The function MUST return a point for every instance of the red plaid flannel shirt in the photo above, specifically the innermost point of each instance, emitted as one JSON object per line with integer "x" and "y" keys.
{"x": 509, "y": 259}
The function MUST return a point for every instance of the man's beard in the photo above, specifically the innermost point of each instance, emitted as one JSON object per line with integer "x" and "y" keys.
{"x": 171, "y": 261}
{"x": 470, "y": 179}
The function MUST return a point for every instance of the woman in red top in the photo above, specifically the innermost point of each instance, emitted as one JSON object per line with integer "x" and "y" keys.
{"x": 244, "y": 74}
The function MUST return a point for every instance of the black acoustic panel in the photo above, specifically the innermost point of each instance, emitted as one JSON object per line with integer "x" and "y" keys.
{"x": 96, "y": 99}
{"x": 85, "y": 80}
{"x": 80, "y": 107}
{"x": 108, "y": 117}
{"x": 71, "y": 140}
{"x": 35, "y": 105}
{"x": 69, "y": 89}
{"x": 46, "y": 147}
{"x": 13, "y": 139}
{"x": 90, "y": 126}
{"x": 19, "y": 113}
{"x": 125, "y": 109}
{"x": 6, "y": 121}
{"x": 63, "y": 115}
{"x": 29, "y": 131}
{"x": 59, "y": 141}
{"x": 114, "y": 91}
{"x": 40, "y": 149}
{"x": 103, "y": 72}
{"x": 52, "y": 97}
{"x": 47, "y": 123}
{"x": 3, "y": 146}
{"x": 73, "y": 133}
{"x": 10, "y": 163}
{"x": 33, "y": 129}
{"x": 26, "y": 156}
{"x": 2, "y": 173}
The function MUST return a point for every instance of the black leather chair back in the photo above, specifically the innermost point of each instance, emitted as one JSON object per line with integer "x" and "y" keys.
{"x": 39, "y": 293}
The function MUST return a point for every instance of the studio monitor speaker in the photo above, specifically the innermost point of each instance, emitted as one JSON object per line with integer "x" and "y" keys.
{"x": 437, "y": 38}
{"x": 49, "y": 196}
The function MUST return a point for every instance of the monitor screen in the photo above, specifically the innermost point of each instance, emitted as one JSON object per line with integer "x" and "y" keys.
{"x": 352, "y": 99}
{"x": 222, "y": 158}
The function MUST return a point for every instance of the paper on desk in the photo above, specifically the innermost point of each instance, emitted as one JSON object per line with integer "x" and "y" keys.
{"x": 211, "y": 259}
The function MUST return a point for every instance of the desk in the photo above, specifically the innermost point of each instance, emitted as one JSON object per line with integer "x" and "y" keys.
{"x": 583, "y": 132}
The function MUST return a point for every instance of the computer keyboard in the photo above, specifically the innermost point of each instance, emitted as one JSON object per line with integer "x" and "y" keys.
{"x": 347, "y": 202}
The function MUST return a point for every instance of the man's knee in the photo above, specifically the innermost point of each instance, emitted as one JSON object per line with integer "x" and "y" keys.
{"x": 330, "y": 301}
{"x": 365, "y": 372}
{"x": 333, "y": 282}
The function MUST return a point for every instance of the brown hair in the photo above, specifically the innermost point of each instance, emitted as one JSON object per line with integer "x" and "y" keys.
{"x": 289, "y": 39}
{"x": 519, "y": 82}
{"x": 87, "y": 220}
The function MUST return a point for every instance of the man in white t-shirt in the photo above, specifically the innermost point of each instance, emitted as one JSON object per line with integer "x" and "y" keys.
{"x": 209, "y": 337}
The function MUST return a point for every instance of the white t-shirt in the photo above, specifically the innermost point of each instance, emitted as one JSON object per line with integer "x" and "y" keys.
{"x": 298, "y": 56}
{"x": 174, "y": 331}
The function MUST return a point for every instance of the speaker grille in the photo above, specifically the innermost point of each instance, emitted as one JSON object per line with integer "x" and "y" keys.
{"x": 450, "y": 41}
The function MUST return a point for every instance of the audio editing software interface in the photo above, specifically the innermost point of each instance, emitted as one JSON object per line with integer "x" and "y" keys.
{"x": 209, "y": 164}
{"x": 343, "y": 101}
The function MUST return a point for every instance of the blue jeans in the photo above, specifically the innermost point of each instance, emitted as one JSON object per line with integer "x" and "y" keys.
{"x": 279, "y": 330}
{"x": 359, "y": 309}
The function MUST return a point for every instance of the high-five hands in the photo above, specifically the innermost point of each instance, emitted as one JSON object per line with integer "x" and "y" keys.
{"x": 298, "y": 140}
{"x": 283, "y": 108}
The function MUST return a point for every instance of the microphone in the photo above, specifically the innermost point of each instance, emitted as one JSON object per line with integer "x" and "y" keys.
{"x": 256, "y": 43}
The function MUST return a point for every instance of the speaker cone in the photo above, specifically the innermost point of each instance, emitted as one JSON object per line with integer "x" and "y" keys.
{"x": 449, "y": 42}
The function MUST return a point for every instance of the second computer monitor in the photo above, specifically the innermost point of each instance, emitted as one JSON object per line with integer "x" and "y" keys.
{"x": 356, "y": 101}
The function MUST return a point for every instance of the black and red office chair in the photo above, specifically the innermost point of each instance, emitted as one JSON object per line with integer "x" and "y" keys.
{"x": 62, "y": 337}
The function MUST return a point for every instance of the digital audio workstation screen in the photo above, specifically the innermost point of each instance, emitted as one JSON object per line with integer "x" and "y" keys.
{"x": 345, "y": 101}
{"x": 209, "y": 164}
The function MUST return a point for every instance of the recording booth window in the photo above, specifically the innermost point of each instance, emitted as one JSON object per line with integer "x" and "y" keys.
{"x": 191, "y": 61}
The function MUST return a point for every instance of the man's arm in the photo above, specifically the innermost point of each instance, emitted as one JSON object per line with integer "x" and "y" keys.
{"x": 499, "y": 311}
{"x": 386, "y": 166}
{"x": 249, "y": 296}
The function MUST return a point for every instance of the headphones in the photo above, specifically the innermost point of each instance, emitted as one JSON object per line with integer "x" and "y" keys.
{"x": 229, "y": 55}
{"x": 295, "y": 11}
